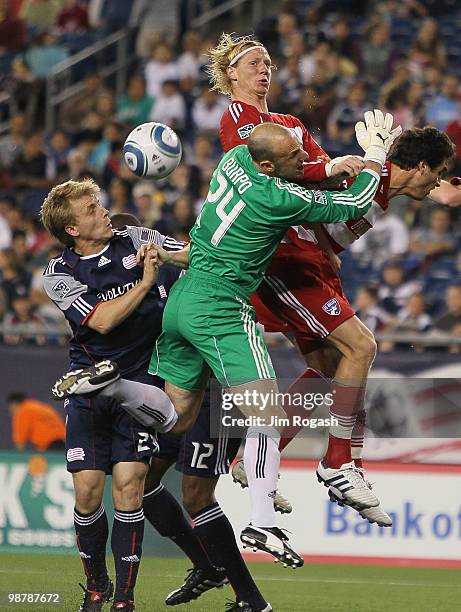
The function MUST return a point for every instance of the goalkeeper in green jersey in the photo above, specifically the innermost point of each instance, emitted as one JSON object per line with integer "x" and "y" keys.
{"x": 208, "y": 322}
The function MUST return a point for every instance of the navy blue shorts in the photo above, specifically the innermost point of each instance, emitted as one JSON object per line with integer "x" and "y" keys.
{"x": 99, "y": 433}
{"x": 197, "y": 453}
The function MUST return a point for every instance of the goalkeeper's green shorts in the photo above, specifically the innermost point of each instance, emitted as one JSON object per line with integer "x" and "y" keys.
{"x": 209, "y": 325}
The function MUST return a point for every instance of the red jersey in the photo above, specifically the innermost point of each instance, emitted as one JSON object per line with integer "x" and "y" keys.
{"x": 240, "y": 118}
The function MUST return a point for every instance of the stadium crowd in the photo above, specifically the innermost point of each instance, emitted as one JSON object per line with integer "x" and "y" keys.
{"x": 332, "y": 65}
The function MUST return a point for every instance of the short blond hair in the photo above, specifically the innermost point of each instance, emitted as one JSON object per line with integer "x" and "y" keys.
{"x": 56, "y": 211}
{"x": 220, "y": 57}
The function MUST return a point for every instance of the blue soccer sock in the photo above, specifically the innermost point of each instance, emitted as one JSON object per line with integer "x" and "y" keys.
{"x": 92, "y": 532}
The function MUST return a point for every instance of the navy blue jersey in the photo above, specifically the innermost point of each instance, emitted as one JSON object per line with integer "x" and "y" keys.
{"x": 77, "y": 285}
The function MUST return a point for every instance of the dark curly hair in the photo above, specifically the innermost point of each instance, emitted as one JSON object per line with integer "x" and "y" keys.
{"x": 417, "y": 145}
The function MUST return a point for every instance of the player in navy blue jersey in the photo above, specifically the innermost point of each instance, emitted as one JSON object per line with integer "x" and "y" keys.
{"x": 114, "y": 309}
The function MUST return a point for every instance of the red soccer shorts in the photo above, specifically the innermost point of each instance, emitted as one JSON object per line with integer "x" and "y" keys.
{"x": 301, "y": 294}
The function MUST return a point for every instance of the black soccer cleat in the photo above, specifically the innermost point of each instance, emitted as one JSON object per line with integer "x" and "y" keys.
{"x": 274, "y": 541}
{"x": 243, "y": 606}
{"x": 93, "y": 601}
{"x": 198, "y": 581}
{"x": 122, "y": 606}
{"x": 86, "y": 381}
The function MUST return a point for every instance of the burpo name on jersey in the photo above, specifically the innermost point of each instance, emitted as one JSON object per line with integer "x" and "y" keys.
{"x": 237, "y": 175}
{"x": 115, "y": 292}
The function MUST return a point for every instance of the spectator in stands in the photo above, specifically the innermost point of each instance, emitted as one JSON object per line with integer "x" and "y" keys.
{"x": 98, "y": 157}
{"x": 90, "y": 132}
{"x": 22, "y": 325}
{"x": 405, "y": 105}
{"x": 12, "y": 33}
{"x": 343, "y": 41}
{"x": 20, "y": 248}
{"x": 178, "y": 183}
{"x": 203, "y": 156}
{"x": 191, "y": 61}
{"x": 12, "y": 144}
{"x": 310, "y": 63}
{"x": 57, "y": 150}
{"x": 106, "y": 107}
{"x": 179, "y": 221}
{"x": 286, "y": 26}
{"x": 162, "y": 67}
{"x": 78, "y": 164}
{"x": 344, "y": 116}
{"x": 169, "y": 106}
{"x": 72, "y": 112}
{"x": 44, "y": 54}
{"x": 73, "y": 17}
{"x": 35, "y": 423}
{"x": 368, "y": 310}
{"x": 412, "y": 318}
{"x": 115, "y": 165}
{"x": 432, "y": 79}
{"x": 377, "y": 53}
{"x": 147, "y": 206}
{"x": 30, "y": 169}
{"x": 389, "y": 238}
{"x": 436, "y": 240}
{"x": 443, "y": 109}
{"x": 24, "y": 89}
{"x": 394, "y": 290}
{"x": 110, "y": 16}
{"x": 449, "y": 321}
{"x": 119, "y": 197}
{"x": 135, "y": 107}
{"x": 207, "y": 111}
{"x": 290, "y": 79}
{"x": 15, "y": 280}
{"x": 427, "y": 46}
{"x": 400, "y": 79}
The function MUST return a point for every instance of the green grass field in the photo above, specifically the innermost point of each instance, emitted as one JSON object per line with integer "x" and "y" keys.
{"x": 314, "y": 588}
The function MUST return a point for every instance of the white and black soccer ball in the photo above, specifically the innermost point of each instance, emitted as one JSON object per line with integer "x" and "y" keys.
{"x": 152, "y": 149}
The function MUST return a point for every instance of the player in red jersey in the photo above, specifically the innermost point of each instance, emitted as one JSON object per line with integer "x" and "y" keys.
{"x": 302, "y": 293}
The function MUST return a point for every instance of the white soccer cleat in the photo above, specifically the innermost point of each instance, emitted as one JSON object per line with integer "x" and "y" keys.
{"x": 372, "y": 515}
{"x": 281, "y": 504}
{"x": 86, "y": 381}
{"x": 274, "y": 541}
{"x": 376, "y": 515}
{"x": 349, "y": 482}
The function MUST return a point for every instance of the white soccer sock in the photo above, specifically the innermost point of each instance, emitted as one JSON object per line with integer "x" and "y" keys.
{"x": 146, "y": 403}
{"x": 261, "y": 458}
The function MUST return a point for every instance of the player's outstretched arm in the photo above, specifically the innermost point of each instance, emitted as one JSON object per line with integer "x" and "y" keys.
{"x": 448, "y": 193}
{"x": 375, "y": 136}
{"x": 179, "y": 259}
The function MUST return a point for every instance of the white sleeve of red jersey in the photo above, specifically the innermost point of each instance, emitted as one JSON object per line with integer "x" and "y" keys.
{"x": 236, "y": 124}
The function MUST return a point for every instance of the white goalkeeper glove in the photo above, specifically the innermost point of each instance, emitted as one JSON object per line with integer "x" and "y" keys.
{"x": 376, "y": 135}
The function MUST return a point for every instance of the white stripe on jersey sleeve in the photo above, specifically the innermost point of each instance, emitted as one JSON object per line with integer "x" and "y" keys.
{"x": 171, "y": 244}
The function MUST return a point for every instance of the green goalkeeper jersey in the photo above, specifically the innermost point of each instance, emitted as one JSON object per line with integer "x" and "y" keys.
{"x": 246, "y": 214}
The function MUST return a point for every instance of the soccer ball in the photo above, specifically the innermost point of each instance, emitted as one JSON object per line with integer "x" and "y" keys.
{"x": 152, "y": 149}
